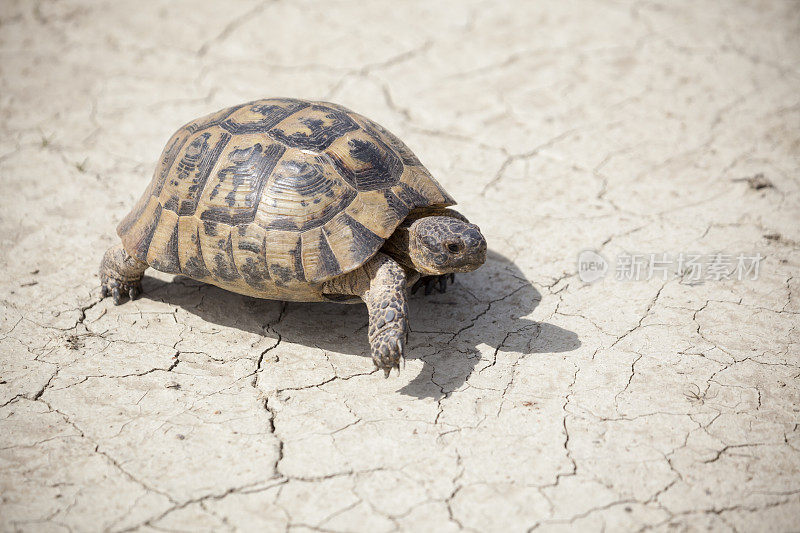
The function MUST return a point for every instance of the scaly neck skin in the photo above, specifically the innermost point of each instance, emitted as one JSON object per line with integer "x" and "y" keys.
{"x": 397, "y": 245}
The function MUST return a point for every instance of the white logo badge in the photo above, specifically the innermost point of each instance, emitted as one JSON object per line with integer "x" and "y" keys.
{"x": 591, "y": 266}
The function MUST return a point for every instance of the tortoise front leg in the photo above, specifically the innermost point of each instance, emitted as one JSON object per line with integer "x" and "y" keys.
{"x": 388, "y": 312}
{"x": 381, "y": 284}
{"x": 121, "y": 273}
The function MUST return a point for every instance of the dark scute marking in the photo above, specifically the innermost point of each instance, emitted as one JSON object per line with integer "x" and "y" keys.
{"x": 283, "y": 223}
{"x": 171, "y": 152}
{"x": 406, "y": 155}
{"x": 218, "y": 118}
{"x": 307, "y": 179}
{"x": 191, "y": 158}
{"x": 195, "y": 190}
{"x": 385, "y": 164}
{"x": 244, "y": 165}
{"x": 249, "y": 167}
{"x": 383, "y": 168}
{"x": 195, "y": 266}
{"x": 249, "y": 246}
{"x": 272, "y": 115}
{"x": 297, "y": 254}
{"x": 216, "y": 214}
{"x": 210, "y": 228}
{"x": 321, "y": 135}
{"x": 169, "y": 261}
{"x": 398, "y": 208}
{"x": 310, "y": 180}
{"x": 224, "y": 268}
{"x": 281, "y": 274}
{"x": 263, "y": 259}
{"x": 327, "y": 259}
{"x": 144, "y": 245}
{"x": 253, "y": 272}
{"x": 412, "y": 198}
{"x": 172, "y": 204}
{"x": 365, "y": 243}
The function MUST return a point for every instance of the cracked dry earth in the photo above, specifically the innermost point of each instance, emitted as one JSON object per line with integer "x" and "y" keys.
{"x": 530, "y": 400}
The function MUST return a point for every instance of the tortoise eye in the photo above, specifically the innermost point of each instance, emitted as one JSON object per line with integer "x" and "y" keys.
{"x": 453, "y": 247}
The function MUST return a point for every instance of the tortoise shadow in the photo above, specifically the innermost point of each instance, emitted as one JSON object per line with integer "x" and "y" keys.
{"x": 481, "y": 315}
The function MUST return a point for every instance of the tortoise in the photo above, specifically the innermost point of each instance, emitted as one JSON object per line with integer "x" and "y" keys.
{"x": 297, "y": 200}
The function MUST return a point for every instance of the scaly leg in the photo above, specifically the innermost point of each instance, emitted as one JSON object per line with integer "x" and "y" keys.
{"x": 121, "y": 273}
{"x": 381, "y": 283}
{"x": 388, "y": 311}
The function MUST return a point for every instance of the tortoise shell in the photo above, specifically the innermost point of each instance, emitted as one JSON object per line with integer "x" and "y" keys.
{"x": 272, "y": 198}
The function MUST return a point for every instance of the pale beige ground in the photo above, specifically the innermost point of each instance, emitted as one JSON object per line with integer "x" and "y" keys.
{"x": 530, "y": 400}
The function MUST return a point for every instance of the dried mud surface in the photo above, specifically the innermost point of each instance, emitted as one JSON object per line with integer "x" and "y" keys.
{"x": 530, "y": 400}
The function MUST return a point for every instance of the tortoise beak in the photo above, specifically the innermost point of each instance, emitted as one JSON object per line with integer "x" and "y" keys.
{"x": 475, "y": 245}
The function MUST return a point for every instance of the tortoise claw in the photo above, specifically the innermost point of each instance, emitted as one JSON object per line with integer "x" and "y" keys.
{"x": 135, "y": 290}
{"x": 387, "y": 350}
{"x": 428, "y": 287}
{"x": 119, "y": 289}
{"x": 416, "y": 286}
{"x": 431, "y": 283}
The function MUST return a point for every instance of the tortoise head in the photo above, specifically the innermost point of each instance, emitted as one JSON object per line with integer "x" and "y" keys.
{"x": 445, "y": 244}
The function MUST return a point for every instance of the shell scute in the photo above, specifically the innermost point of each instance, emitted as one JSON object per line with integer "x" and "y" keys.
{"x": 162, "y": 253}
{"x": 313, "y": 128}
{"x": 303, "y": 193}
{"x": 190, "y": 249}
{"x": 319, "y": 261}
{"x": 366, "y": 162}
{"x": 232, "y": 196}
{"x": 260, "y": 116}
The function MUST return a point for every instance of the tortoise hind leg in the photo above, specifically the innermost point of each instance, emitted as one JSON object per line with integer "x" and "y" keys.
{"x": 121, "y": 273}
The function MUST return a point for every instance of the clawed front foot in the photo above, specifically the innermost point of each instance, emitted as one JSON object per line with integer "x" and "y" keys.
{"x": 117, "y": 288}
{"x": 387, "y": 349}
{"x": 431, "y": 282}
{"x": 388, "y": 312}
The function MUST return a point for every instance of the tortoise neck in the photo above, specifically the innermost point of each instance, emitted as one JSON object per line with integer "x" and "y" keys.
{"x": 397, "y": 246}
